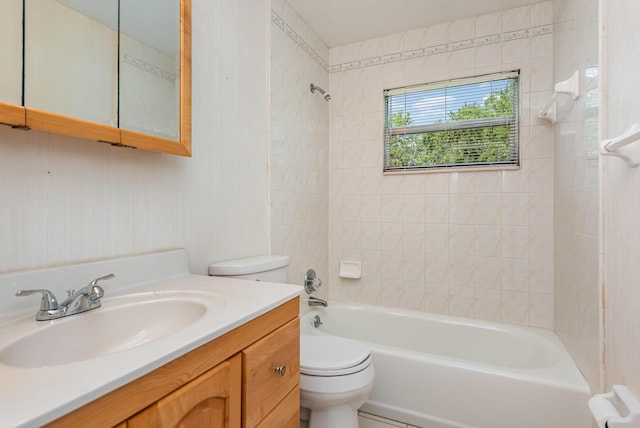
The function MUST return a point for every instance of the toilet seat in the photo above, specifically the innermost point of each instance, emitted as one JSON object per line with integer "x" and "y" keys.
{"x": 332, "y": 356}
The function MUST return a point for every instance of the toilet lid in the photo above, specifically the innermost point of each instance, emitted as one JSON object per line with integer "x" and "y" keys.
{"x": 331, "y": 355}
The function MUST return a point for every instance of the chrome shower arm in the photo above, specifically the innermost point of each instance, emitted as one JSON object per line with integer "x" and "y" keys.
{"x": 314, "y": 88}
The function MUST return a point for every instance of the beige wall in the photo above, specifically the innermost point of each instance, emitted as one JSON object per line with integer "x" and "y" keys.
{"x": 299, "y": 150}
{"x": 474, "y": 244}
{"x": 576, "y": 186}
{"x": 67, "y": 200}
{"x": 621, "y": 189}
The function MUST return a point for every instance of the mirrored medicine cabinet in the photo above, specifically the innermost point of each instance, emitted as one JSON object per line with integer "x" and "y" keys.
{"x": 116, "y": 71}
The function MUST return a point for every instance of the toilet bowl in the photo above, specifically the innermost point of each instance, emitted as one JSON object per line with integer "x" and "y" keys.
{"x": 336, "y": 376}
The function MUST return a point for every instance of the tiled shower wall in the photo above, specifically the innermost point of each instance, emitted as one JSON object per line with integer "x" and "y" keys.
{"x": 576, "y": 186}
{"x": 474, "y": 244}
{"x": 299, "y": 153}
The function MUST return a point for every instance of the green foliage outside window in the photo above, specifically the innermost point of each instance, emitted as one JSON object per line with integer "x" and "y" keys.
{"x": 482, "y": 142}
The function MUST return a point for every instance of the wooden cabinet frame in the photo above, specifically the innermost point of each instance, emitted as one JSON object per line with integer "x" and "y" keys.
{"x": 26, "y": 117}
{"x": 12, "y": 115}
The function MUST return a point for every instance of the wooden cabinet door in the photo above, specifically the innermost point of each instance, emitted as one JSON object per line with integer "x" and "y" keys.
{"x": 211, "y": 400}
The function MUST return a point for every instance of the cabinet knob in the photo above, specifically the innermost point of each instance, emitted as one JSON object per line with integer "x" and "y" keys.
{"x": 281, "y": 370}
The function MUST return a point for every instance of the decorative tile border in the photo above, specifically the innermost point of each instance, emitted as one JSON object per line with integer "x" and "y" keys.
{"x": 416, "y": 53}
{"x": 149, "y": 68}
{"x": 450, "y": 47}
{"x": 289, "y": 31}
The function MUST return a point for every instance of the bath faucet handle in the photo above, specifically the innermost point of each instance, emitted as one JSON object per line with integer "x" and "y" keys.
{"x": 311, "y": 281}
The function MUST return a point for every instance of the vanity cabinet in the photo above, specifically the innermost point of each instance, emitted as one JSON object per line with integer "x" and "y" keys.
{"x": 235, "y": 380}
{"x": 211, "y": 400}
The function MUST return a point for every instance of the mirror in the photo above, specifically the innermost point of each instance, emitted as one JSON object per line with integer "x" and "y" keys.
{"x": 11, "y": 48}
{"x": 11, "y": 69}
{"x": 150, "y": 67}
{"x": 71, "y": 58}
{"x": 146, "y": 131}
{"x": 92, "y": 73}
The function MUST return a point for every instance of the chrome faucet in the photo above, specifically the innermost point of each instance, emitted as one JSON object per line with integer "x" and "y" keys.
{"x": 311, "y": 284}
{"x": 315, "y": 301}
{"x": 311, "y": 281}
{"x": 85, "y": 299}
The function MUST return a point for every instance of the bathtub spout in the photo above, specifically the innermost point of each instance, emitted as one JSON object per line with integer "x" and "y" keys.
{"x": 314, "y": 301}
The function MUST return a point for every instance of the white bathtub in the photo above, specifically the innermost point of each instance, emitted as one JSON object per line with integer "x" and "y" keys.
{"x": 436, "y": 371}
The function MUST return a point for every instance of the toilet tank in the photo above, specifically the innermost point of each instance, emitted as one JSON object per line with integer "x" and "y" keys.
{"x": 261, "y": 268}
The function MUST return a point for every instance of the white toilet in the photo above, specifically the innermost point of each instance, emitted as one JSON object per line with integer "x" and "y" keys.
{"x": 336, "y": 374}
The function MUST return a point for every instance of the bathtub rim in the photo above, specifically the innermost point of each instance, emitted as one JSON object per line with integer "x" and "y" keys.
{"x": 563, "y": 374}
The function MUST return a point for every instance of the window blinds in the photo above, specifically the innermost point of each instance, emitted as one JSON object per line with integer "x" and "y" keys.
{"x": 464, "y": 122}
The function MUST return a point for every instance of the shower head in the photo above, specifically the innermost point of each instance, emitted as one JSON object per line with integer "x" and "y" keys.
{"x": 314, "y": 88}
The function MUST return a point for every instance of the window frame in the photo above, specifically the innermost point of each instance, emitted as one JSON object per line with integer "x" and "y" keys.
{"x": 513, "y": 121}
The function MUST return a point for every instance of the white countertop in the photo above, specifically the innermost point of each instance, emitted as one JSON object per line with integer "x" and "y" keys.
{"x": 35, "y": 396}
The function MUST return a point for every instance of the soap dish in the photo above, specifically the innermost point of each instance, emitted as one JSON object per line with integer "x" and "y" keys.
{"x": 351, "y": 270}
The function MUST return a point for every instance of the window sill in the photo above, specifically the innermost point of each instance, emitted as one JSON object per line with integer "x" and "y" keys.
{"x": 440, "y": 170}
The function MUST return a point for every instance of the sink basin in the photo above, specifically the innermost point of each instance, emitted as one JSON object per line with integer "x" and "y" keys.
{"x": 121, "y": 323}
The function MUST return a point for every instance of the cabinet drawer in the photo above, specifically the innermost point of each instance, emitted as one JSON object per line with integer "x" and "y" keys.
{"x": 262, "y": 386}
{"x": 286, "y": 414}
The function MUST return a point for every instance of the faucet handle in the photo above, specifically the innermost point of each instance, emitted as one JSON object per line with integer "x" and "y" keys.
{"x": 102, "y": 278}
{"x": 97, "y": 292}
{"x": 311, "y": 282}
{"x": 48, "y": 302}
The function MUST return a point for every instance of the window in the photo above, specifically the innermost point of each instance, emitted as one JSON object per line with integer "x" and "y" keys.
{"x": 455, "y": 123}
